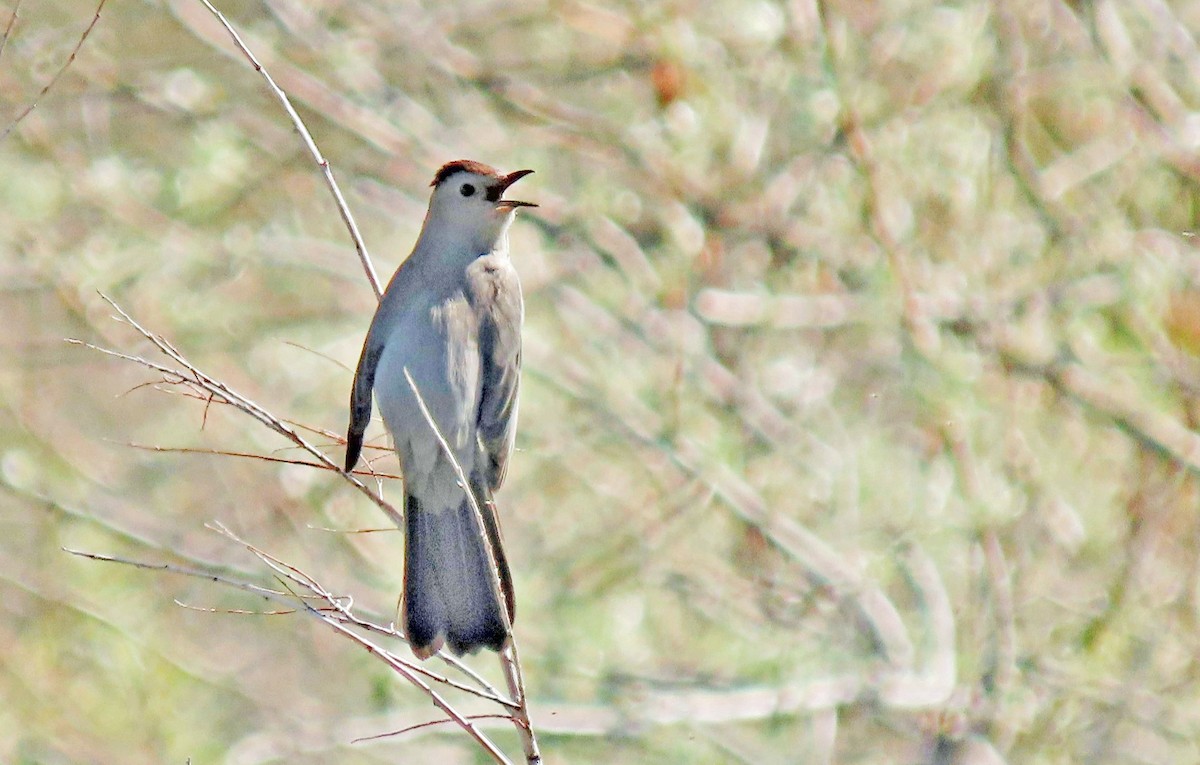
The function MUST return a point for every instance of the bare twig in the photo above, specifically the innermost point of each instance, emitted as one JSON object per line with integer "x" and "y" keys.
{"x": 428, "y": 724}
{"x": 253, "y": 456}
{"x": 463, "y": 482}
{"x": 508, "y": 655}
{"x": 409, "y": 671}
{"x": 192, "y": 376}
{"x": 57, "y": 75}
{"x": 511, "y": 665}
{"x": 333, "y": 607}
{"x": 8, "y": 28}
{"x": 234, "y": 611}
{"x": 347, "y": 217}
{"x": 169, "y": 568}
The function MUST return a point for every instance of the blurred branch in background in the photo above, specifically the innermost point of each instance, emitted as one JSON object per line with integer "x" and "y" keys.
{"x": 57, "y": 75}
{"x": 8, "y": 27}
{"x": 862, "y": 368}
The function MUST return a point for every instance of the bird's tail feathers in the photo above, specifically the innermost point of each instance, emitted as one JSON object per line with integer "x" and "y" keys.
{"x": 451, "y": 573}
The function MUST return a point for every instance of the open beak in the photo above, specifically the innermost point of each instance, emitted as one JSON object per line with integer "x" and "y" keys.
{"x": 509, "y": 180}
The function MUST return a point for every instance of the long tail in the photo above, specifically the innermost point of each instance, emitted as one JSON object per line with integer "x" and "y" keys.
{"x": 449, "y": 595}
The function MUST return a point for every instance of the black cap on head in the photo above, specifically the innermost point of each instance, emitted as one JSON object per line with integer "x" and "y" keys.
{"x": 466, "y": 166}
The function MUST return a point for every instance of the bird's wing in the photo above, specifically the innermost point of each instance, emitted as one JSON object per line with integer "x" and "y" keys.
{"x": 360, "y": 397}
{"x": 496, "y": 297}
{"x": 368, "y": 362}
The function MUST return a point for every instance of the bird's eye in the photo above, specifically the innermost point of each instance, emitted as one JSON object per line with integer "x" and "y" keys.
{"x": 467, "y": 189}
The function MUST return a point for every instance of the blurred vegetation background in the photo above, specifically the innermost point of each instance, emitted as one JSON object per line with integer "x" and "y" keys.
{"x": 860, "y": 415}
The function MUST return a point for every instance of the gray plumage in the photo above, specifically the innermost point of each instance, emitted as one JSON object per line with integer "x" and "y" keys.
{"x": 451, "y": 316}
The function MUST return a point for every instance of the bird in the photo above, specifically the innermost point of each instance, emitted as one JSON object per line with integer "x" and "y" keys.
{"x": 449, "y": 325}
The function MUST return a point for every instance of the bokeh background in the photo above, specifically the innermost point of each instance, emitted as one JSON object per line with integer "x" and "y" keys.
{"x": 859, "y": 421}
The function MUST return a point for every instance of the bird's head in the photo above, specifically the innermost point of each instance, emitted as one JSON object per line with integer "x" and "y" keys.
{"x": 468, "y": 201}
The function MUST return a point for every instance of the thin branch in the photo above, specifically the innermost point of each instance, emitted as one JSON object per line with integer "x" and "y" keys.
{"x": 509, "y": 661}
{"x": 57, "y": 75}
{"x": 461, "y": 476}
{"x": 200, "y": 380}
{"x": 337, "y": 362}
{"x": 169, "y": 568}
{"x": 252, "y": 456}
{"x": 347, "y": 217}
{"x": 8, "y": 28}
{"x": 405, "y": 669}
{"x": 428, "y": 724}
{"x": 332, "y": 530}
{"x": 233, "y": 611}
{"x": 511, "y": 664}
{"x": 336, "y": 610}
{"x": 488, "y": 691}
